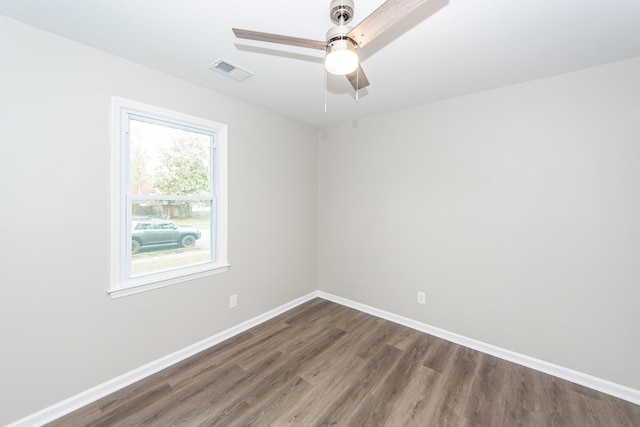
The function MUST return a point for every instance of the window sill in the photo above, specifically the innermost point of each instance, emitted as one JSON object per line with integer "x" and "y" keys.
{"x": 132, "y": 290}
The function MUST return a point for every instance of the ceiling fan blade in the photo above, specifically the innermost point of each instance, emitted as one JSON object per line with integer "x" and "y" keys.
{"x": 276, "y": 38}
{"x": 381, "y": 19}
{"x": 358, "y": 79}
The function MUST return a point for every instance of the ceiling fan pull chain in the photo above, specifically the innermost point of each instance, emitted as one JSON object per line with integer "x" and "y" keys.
{"x": 358, "y": 74}
{"x": 325, "y": 91}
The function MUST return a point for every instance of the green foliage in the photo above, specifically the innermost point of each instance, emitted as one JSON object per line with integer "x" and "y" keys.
{"x": 184, "y": 168}
{"x": 139, "y": 175}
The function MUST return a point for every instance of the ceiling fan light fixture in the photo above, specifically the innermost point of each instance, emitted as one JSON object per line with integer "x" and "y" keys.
{"x": 341, "y": 57}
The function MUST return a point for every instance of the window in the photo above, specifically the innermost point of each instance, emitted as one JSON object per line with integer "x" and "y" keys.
{"x": 169, "y": 197}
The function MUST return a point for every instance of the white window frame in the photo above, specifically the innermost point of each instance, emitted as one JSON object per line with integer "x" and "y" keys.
{"x": 120, "y": 284}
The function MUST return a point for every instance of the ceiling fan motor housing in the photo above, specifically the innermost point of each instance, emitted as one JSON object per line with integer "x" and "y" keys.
{"x": 341, "y": 11}
{"x": 339, "y": 32}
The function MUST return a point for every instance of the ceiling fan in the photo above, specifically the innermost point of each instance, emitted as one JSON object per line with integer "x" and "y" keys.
{"x": 342, "y": 41}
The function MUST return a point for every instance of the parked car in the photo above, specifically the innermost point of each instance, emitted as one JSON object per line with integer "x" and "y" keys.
{"x": 152, "y": 231}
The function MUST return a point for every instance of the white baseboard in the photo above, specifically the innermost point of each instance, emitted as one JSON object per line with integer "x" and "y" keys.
{"x": 623, "y": 392}
{"x": 73, "y": 403}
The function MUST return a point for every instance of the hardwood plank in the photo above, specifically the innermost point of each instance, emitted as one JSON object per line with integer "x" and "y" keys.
{"x": 382, "y": 333}
{"x": 412, "y": 408}
{"x": 454, "y": 386}
{"x": 194, "y": 398}
{"x": 269, "y": 413}
{"x": 276, "y": 377}
{"x": 487, "y": 394}
{"x": 384, "y": 396}
{"x": 84, "y": 416}
{"x": 323, "y": 372}
{"x": 324, "y": 364}
{"x": 438, "y": 354}
{"x": 343, "y": 408}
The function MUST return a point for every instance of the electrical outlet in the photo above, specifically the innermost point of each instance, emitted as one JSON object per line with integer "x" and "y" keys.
{"x": 422, "y": 298}
{"x": 233, "y": 301}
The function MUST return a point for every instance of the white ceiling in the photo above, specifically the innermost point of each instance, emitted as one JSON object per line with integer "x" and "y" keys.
{"x": 445, "y": 49}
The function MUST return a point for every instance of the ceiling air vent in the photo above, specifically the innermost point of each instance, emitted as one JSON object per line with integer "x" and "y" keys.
{"x": 231, "y": 70}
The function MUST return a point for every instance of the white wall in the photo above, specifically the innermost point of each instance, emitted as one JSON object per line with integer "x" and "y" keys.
{"x": 60, "y": 332}
{"x": 517, "y": 210}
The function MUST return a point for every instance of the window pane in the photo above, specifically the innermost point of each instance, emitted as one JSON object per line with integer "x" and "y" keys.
{"x": 169, "y": 198}
{"x": 168, "y": 160}
{"x": 162, "y": 241}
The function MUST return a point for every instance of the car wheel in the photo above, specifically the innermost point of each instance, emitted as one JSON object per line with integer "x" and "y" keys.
{"x": 188, "y": 241}
{"x": 135, "y": 246}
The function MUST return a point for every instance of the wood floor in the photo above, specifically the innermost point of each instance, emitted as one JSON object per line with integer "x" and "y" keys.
{"x": 324, "y": 364}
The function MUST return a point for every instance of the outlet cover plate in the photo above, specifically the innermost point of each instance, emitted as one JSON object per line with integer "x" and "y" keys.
{"x": 422, "y": 298}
